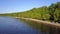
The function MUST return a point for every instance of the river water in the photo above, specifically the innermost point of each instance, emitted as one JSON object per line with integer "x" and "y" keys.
{"x": 10, "y": 25}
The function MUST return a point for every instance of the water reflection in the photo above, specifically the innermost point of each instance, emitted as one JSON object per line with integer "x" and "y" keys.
{"x": 44, "y": 29}
{"x": 13, "y": 26}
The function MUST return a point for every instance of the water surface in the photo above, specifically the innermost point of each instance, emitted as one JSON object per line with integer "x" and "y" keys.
{"x": 10, "y": 25}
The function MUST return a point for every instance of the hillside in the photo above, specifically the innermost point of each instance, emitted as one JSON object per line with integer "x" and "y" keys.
{"x": 50, "y": 13}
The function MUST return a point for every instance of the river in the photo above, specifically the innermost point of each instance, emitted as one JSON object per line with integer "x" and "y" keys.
{"x": 10, "y": 25}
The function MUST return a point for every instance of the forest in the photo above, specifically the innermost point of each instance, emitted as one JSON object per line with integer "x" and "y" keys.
{"x": 48, "y": 13}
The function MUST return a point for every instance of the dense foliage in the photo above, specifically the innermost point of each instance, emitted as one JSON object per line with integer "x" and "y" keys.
{"x": 51, "y": 13}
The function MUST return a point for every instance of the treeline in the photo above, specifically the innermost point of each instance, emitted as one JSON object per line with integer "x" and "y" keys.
{"x": 50, "y": 13}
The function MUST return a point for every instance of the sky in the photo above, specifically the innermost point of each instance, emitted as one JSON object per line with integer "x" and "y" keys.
{"x": 10, "y": 6}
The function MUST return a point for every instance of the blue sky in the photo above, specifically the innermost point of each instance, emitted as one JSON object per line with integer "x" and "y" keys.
{"x": 8, "y": 6}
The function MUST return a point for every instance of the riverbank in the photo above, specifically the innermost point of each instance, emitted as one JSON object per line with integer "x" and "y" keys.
{"x": 47, "y": 23}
